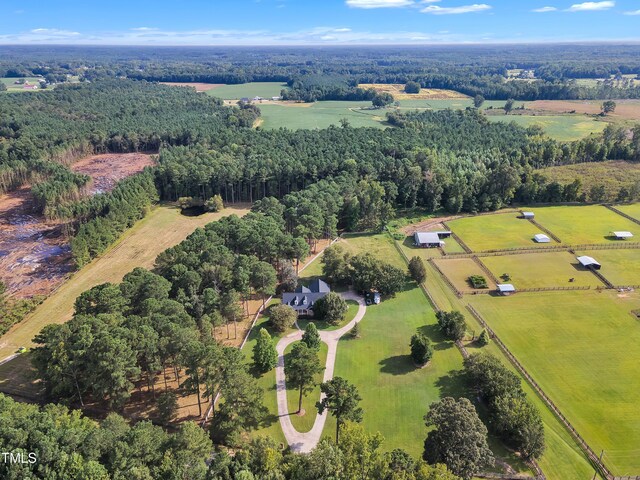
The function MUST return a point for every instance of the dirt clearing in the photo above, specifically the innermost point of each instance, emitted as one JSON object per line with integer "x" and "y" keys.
{"x": 200, "y": 87}
{"x": 397, "y": 90}
{"x": 106, "y": 170}
{"x": 625, "y": 109}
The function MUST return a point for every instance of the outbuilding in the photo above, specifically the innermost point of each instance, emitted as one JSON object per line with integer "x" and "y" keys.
{"x": 528, "y": 215}
{"x": 589, "y": 262}
{"x": 427, "y": 240}
{"x": 622, "y": 235}
{"x": 506, "y": 289}
{"x": 541, "y": 238}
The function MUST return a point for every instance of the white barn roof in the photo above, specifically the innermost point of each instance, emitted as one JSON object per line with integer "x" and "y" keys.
{"x": 587, "y": 261}
{"x": 623, "y": 234}
{"x": 506, "y": 287}
{"x": 528, "y": 214}
{"x": 427, "y": 237}
{"x": 541, "y": 238}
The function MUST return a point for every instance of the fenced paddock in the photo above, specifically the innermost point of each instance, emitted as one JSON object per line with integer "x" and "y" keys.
{"x": 582, "y": 347}
{"x": 632, "y": 210}
{"x": 457, "y": 271}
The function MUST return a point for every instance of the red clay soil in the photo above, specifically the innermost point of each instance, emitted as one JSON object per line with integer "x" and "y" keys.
{"x": 35, "y": 255}
{"x": 200, "y": 87}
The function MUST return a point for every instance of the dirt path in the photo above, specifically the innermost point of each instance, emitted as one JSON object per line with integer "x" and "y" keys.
{"x": 305, "y": 442}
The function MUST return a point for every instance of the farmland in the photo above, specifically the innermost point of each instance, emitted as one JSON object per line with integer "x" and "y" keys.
{"x": 397, "y": 90}
{"x": 561, "y": 127}
{"x": 249, "y": 90}
{"x": 458, "y": 270}
{"x": 631, "y": 210}
{"x": 12, "y": 86}
{"x": 620, "y": 267}
{"x": 320, "y": 115}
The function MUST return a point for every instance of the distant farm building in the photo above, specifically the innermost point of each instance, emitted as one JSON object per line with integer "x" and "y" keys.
{"x": 303, "y": 299}
{"x": 28, "y": 86}
{"x": 506, "y": 289}
{"x": 275, "y": 99}
{"x": 622, "y": 235}
{"x": 589, "y": 262}
{"x": 427, "y": 240}
{"x": 245, "y": 99}
{"x": 528, "y": 215}
{"x": 541, "y": 238}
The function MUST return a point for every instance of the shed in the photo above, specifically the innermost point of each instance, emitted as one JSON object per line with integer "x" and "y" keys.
{"x": 589, "y": 262}
{"x": 622, "y": 235}
{"x": 506, "y": 289}
{"x": 427, "y": 240}
{"x": 541, "y": 238}
{"x": 528, "y": 215}
{"x": 443, "y": 233}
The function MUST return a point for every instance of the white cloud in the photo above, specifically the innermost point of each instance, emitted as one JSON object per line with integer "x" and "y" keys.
{"x": 342, "y": 30}
{"x": 437, "y": 10}
{"x": 633, "y": 12}
{"x": 544, "y": 9}
{"x": 54, "y": 32}
{"x": 591, "y": 6}
{"x": 144, "y": 29}
{"x": 379, "y": 3}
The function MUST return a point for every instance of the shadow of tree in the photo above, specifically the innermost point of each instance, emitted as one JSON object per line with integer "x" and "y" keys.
{"x": 438, "y": 340}
{"x": 453, "y": 385}
{"x": 397, "y": 365}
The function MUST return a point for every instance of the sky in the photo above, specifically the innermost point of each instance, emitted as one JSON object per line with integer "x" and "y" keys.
{"x": 314, "y": 22}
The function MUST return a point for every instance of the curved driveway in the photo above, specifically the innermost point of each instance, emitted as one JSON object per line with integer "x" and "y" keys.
{"x": 305, "y": 442}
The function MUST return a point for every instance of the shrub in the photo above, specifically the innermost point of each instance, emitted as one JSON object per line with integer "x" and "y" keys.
{"x": 483, "y": 339}
{"x": 282, "y": 317}
{"x": 478, "y": 281}
{"x": 452, "y": 325}
{"x": 421, "y": 351}
{"x": 412, "y": 87}
{"x": 417, "y": 269}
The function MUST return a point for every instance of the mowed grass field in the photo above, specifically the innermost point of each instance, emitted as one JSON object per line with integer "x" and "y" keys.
{"x": 579, "y": 225}
{"x": 320, "y": 115}
{"x": 565, "y": 128}
{"x": 583, "y": 349}
{"x": 458, "y": 270}
{"x": 631, "y": 210}
{"x": 11, "y": 85}
{"x": 542, "y": 270}
{"x": 162, "y": 228}
{"x": 620, "y": 267}
{"x": 249, "y": 90}
{"x": 495, "y": 232}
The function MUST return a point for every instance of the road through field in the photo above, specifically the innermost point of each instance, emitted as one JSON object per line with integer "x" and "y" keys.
{"x": 162, "y": 228}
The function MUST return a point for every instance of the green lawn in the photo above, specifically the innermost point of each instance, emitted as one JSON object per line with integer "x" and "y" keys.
{"x": 620, "y": 267}
{"x": 560, "y": 127}
{"x": 583, "y": 349}
{"x": 13, "y": 87}
{"x": 322, "y": 325}
{"x": 379, "y": 245}
{"x": 538, "y": 270}
{"x": 305, "y": 422}
{"x": 579, "y": 225}
{"x": 495, "y": 232}
{"x": 250, "y": 90}
{"x": 631, "y": 210}
{"x": 320, "y": 115}
{"x": 458, "y": 270}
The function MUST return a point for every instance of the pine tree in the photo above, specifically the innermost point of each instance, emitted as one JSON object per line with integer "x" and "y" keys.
{"x": 265, "y": 356}
{"x": 311, "y": 336}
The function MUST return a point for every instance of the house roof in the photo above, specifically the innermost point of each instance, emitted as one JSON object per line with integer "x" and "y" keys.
{"x": 541, "y": 237}
{"x": 506, "y": 287}
{"x": 623, "y": 234}
{"x": 587, "y": 261}
{"x": 427, "y": 237}
{"x": 301, "y": 300}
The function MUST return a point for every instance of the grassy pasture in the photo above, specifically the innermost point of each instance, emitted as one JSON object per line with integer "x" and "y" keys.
{"x": 578, "y": 225}
{"x": 539, "y": 270}
{"x": 495, "y": 232}
{"x": 397, "y": 90}
{"x": 583, "y": 349}
{"x": 631, "y": 210}
{"x": 250, "y": 90}
{"x": 560, "y": 127}
{"x": 458, "y": 270}
{"x": 620, "y": 267}
{"x": 13, "y": 87}
{"x": 379, "y": 245}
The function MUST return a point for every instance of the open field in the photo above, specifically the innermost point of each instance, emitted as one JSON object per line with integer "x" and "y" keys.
{"x": 495, "y": 232}
{"x": 625, "y": 109}
{"x": 579, "y": 225}
{"x": 397, "y": 90}
{"x": 560, "y": 127}
{"x": 631, "y": 210}
{"x": 200, "y": 87}
{"x": 458, "y": 270}
{"x": 543, "y": 270}
{"x": 320, "y": 115}
{"x": 162, "y": 228}
{"x": 106, "y": 170}
{"x": 583, "y": 349}
{"x": 249, "y": 90}
{"x": 612, "y": 174}
{"x": 620, "y": 267}
{"x": 13, "y": 87}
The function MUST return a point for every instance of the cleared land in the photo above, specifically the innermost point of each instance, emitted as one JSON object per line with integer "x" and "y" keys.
{"x": 495, "y": 232}
{"x": 631, "y": 210}
{"x": 458, "y": 271}
{"x": 200, "y": 87}
{"x": 249, "y": 90}
{"x": 397, "y": 90}
{"x": 625, "y": 109}
{"x": 542, "y": 270}
{"x": 162, "y": 228}
{"x": 106, "y": 170}
{"x": 564, "y": 128}
{"x": 620, "y": 267}
{"x": 612, "y": 175}
{"x": 579, "y": 225}
{"x": 12, "y": 86}
{"x": 593, "y": 382}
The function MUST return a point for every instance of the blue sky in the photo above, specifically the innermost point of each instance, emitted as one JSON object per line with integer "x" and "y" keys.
{"x": 299, "y": 22}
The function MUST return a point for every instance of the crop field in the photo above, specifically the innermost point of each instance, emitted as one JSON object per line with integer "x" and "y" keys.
{"x": 397, "y": 90}
{"x": 631, "y": 210}
{"x": 162, "y": 228}
{"x": 542, "y": 270}
{"x": 249, "y": 90}
{"x": 458, "y": 270}
{"x": 620, "y": 267}
{"x": 593, "y": 382}
{"x": 579, "y": 225}
{"x": 12, "y": 86}
{"x": 320, "y": 115}
{"x": 560, "y": 127}
{"x": 625, "y": 109}
{"x": 495, "y": 232}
